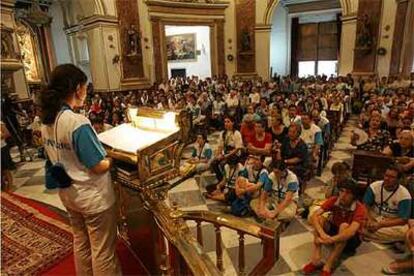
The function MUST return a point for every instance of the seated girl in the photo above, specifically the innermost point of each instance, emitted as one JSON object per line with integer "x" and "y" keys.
{"x": 202, "y": 154}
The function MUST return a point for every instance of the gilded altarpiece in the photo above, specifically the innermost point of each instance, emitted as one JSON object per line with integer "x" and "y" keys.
{"x": 131, "y": 46}
{"x": 29, "y": 53}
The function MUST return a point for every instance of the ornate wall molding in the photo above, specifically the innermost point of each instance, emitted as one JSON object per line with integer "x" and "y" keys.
{"x": 270, "y": 8}
{"x": 91, "y": 23}
{"x": 263, "y": 28}
{"x": 349, "y": 18}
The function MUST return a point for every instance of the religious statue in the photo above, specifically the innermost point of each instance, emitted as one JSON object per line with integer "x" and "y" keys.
{"x": 245, "y": 40}
{"x": 365, "y": 39}
{"x": 133, "y": 40}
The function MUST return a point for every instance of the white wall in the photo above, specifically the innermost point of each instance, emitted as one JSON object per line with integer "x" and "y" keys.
{"x": 60, "y": 42}
{"x": 279, "y": 41}
{"x": 201, "y": 67}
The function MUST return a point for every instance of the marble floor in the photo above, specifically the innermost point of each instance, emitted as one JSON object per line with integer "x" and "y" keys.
{"x": 295, "y": 241}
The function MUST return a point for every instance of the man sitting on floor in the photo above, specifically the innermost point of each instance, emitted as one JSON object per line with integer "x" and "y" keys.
{"x": 341, "y": 229}
{"x": 279, "y": 197}
{"x": 389, "y": 208}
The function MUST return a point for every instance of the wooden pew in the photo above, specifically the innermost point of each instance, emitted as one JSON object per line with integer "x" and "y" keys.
{"x": 368, "y": 167}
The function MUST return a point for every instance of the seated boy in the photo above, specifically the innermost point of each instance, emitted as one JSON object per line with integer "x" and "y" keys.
{"x": 341, "y": 229}
{"x": 279, "y": 198}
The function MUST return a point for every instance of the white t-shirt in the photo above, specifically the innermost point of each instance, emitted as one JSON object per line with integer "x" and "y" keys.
{"x": 394, "y": 204}
{"x": 232, "y": 139}
{"x": 218, "y": 107}
{"x": 232, "y": 102}
{"x": 289, "y": 183}
{"x": 312, "y": 135}
{"x": 89, "y": 193}
{"x": 255, "y": 98}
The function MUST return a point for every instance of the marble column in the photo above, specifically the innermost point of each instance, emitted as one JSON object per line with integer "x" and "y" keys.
{"x": 262, "y": 36}
{"x": 348, "y": 35}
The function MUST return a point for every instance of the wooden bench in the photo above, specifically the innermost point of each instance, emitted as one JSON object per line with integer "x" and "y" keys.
{"x": 368, "y": 167}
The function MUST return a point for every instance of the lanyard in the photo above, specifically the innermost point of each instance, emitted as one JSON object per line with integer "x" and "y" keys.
{"x": 388, "y": 198}
{"x": 231, "y": 177}
{"x": 201, "y": 151}
{"x": 280, "y": 191}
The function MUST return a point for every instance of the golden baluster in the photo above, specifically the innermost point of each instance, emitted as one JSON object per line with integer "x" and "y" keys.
{"x": 199, "y": 233}
{"x": 241, "y": 254}
{"x": 219, "y": 250}
{"x": 164, "y": 265}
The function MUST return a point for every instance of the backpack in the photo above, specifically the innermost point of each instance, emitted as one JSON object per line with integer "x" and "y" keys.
{"x": 240, "y": 207}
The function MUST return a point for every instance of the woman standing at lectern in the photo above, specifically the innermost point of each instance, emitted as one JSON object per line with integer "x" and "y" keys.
{"x": 78, "y": 166}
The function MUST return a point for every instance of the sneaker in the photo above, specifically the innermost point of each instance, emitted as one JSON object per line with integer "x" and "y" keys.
{"x": 388, "y": 270}
{"x": 325, "y": 273}
{"x": 311, "y": 268}
{"x": 399, "y": 247}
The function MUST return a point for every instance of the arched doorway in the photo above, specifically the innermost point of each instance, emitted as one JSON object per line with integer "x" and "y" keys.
{"x": 187, "y": 14}
{"x": 348, "y": 10}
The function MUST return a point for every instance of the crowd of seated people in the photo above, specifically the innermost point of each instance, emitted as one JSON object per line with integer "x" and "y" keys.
{"x": 275, "y": 135}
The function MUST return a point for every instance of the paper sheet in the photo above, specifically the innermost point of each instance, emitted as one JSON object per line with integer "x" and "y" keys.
{"x": 130, "y": 139}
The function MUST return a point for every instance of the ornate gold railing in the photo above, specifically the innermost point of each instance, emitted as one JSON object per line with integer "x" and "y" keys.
{"x": 178, "y": 251}
{"x": 268, "y": 234}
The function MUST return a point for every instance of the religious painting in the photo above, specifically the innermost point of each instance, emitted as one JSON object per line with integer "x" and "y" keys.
{"x": 181, "y": 47}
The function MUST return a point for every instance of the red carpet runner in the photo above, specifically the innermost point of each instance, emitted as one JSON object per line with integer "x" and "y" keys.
{"x": 31, "y": 242}
{"x": 40, "y": 220}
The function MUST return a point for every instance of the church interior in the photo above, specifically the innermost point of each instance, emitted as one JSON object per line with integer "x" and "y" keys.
{"x": 207, "y": 137}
